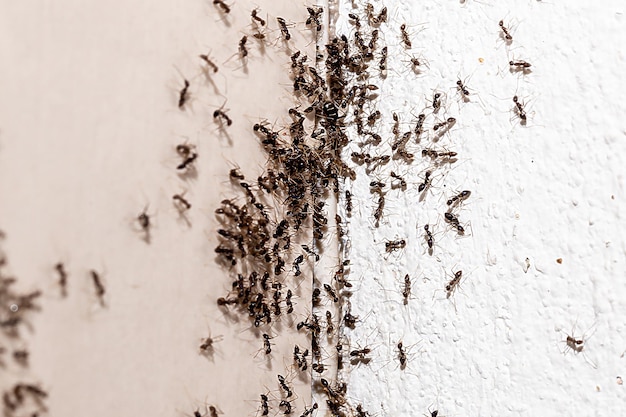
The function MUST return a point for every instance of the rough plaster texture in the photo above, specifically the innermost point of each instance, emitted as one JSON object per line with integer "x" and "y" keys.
{"x": 551, "y": 189}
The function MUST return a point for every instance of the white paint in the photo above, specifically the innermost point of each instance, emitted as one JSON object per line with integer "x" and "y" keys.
{"x": 551, "y": 189}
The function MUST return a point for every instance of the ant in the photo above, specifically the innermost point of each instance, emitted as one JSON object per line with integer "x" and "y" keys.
{"x": 463, "y": 90}
{"x": 454, "y": 282}
{"x": 183, "y": 95}
{"x": 223, "y": 6}
{"x": 426, "y": 183}
{"x": 330, "y": 327}
{"x": 181, "y": 203}
{"x": 264, "y": 405}
{"x": 348, "y": 203}
{"x": 402, "y": 355}
{"x": 406, "y": 292}
{"x": 520, "y": 66}
{"x": 331, "y": 293}
{"x": 243, "y": 51}
{"x": 210, "y": 63}
{"x": 405, "y": 38}
{"x": 143, "y": 219}
{"x": 283, "y": 28}
{"x": 266, "y": 343}
{"x": 359, "y": 356}
{"x": 454, "y": 221}
{"x": 207, "y": 344}
{"x": 309, "y": 411}
{"x": 255, "y": 17}
{"x": 395, "y": 245}
{"x": 382, "y": 64}
{"x": 284, "y": 386}
{"x": 287, "y": 405}
{"x": 445, "y": 125}
{"x": 314, "y": 17}
{"x": 436, "y": 102}
{"x": 188, "y": 161}
{"x": 519, "y": 109}
{"x": 419, "y": 126}
{"x": 219, "y": 113}
{"x": 60, "y": 268}
{"x": 505, "y": 33}
{"x": 454, "y": 201}
{"x": 357, "y": 21}
{"x": 97, "y": 282}
{"x": 429, "y": 239}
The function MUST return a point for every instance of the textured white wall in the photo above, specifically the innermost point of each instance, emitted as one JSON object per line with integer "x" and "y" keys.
{"x": 551, "y": 189}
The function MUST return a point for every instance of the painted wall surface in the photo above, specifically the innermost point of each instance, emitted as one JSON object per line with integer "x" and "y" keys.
{"x": 542, "y": 256}
{"x": 89, "y": 125}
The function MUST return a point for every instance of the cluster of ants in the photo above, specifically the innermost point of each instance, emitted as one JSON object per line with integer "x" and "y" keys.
{"x": 22, "y": 398}
{"x": 516, "y": 66}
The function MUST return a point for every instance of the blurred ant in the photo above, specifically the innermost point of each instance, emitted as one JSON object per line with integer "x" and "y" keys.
{"x": 210, "y": 63}
{"x": 255, "y": 17}
{"x": 181, "y": 203}
{"x": 144, "y": 222}
{"x": 520, "y": 66}
{"x": 60, "y": 268}
{"x": 206, "y": 347}
{"x": 283, "y": 28}
{"x": 223, "y": 6}
{"x": 243, "y": 51}
{"x": 100, "y": 290}
{"x": 382, "y": 64}
{"x": 314, "y": 17}
{"x": 183, "y": 95}
{"x": 266, "y": 344}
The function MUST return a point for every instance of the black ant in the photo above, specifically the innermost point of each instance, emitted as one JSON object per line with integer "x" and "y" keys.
{"x": 463, "y": 195}
{"x": 429, "y": 239}
{"x": 219, "y": 113}
{"x": 143, "y": 219}
{"x": 402, "y": 355}
{"x": 210, "y": 63}
{"x": 97, "y": 282}
{"x": 243, "y": 51}
{"x": 445, "y": 125}
{"x": 60, "y": 268}
{"x": 314, "y": 17}
{"x": 395, "y": 245}
{"x": 426, "y": 183}
{"x": 506, "y": 34}
{"x": 454, "y": 282}
{"x": 223, "y": 6}
{"x": 519, "y": 109}
{"x": 382, "y": 64}
{"x": 359, "y": 356}
{"x": 519, "y": 65}
{"x": 331, "y": 293}
{"x": 406, "y": 292}
{"x": 309, "y": 411}
{"x": 188, "y": 161}
{"x": 207, "y": 344}
{"x": 348, "y": 203}
{"x": 266, "y": 343}
{"x": 264, "y": 405}
{"x": 405, "y": 37}
{"x": 463, "y": 90}
{"x": 436, "y": 102}
{"x": 454, "y": 221}
{"x": 181, "y": 203}
{"x": 283, "y": 28}
{"x": 183, "y": 95}
{"x": 255, "y": 17}
{"x": 287, "y": 405}
{"x": 284, "y": 386}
